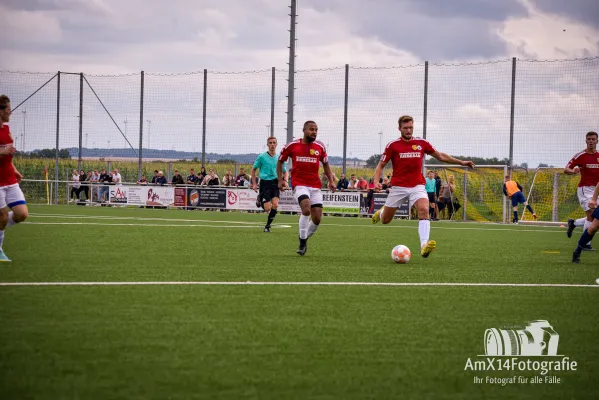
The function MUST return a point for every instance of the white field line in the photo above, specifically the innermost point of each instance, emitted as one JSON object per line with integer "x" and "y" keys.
{"x": 324, "y": 223}
{"x": 110, "y": 217}
{"x": 249, "y": 283}
{"x": 158, "y": 225}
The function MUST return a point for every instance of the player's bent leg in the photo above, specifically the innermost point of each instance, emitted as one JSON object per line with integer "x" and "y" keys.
{"x": 3, "y": 223}
{"x": 424, "y": 228}
{"x": 316, "y": 214}
{"x": 304, "y": 222}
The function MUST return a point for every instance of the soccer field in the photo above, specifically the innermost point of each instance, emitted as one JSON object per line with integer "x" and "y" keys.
{"x": 204, "y": 305}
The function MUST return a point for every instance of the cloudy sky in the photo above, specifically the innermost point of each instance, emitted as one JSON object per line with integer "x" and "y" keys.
{"x": 116, "y": 37}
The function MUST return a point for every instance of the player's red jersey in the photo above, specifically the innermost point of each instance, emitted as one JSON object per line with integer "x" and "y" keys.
{"x": 589, "y": 167}
{"x": 7, "y": 171}
{"x": 305, "y": 162}
{"x": 406, "y": 158}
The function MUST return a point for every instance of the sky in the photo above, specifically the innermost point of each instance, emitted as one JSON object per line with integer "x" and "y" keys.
{"x": 468, "y": 44}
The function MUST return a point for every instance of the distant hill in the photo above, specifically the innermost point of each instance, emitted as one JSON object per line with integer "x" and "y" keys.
{"x": 183, "y": 155}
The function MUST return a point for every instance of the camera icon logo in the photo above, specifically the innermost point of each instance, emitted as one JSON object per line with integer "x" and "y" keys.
{"x": 537, "y": 338}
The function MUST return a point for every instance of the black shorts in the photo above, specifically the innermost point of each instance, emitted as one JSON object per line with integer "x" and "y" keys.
{"x": 268, "y": 191}
{"x": 431, "y": 197}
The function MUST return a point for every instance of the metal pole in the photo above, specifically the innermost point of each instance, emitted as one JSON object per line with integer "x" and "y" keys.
{"x": 505, "y": 172}
{"x": 291, "y": 79}
{"x": 512, "y": 112}
{"x": 141, "y": 127}
{"x": 425, "y": 113}
{"x": 56, "y": 172}
{"x": 80, "y": 121}
{"x": 272, "y": 104}
{"x": 24, "y": 120}
{"x": 204, "y": 118}
{"x": 345, "y": 118}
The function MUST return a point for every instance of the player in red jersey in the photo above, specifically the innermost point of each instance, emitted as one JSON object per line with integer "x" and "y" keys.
{"x": 11, "y": 195}
{"x": 585, "y": 163}
{"x": 306, "y": 155}
{"x": 406, "y": 155}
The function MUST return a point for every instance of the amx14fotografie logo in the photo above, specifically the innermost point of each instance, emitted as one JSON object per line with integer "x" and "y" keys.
{"x": 530, "y": 350}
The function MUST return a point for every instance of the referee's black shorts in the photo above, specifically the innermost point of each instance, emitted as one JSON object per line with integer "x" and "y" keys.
{"x": 269, "y": 189}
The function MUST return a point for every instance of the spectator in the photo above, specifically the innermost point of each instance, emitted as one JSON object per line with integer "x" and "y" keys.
{"x": 438, "y": 185}
{"x": 75, "y": 186}
{"x": 116, "y": 177}
{"x": 177, "y": 178}
{"x": 83, "y": 177}
{"x": 431, "y": 187}
{"x": 211, "y": 179}
{"x": 362, "y": 184}
{"x": 201, "y": 175}
{"x": 192, "y": 179}
{"x": 447, "y": 190}
{"x": 142, "y": 181}
{"x": 343, "y": 182}
{"x": 353, "y": 182}
{"x": 105, "y": 179}
{"x": 386, "y": 185}
{"x": 228, "y": 179}
{"x": 95, "y": 176}
{"x": 161, "y": 179}
{"x": 242, "y": 179}
{"x": 155, "y": 177}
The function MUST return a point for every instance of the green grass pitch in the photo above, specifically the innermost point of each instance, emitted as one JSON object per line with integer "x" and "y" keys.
{"x": 267, "y": 341}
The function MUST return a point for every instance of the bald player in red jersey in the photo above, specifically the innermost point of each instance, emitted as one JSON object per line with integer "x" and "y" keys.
{"x": 11, "y": 195}
{"x": 306, "y": 154}
{"x": 406, "y": 155}
{"x": 585, "y": 163}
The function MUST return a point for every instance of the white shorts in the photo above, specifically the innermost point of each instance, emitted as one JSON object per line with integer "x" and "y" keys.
{"x": 398, "y": 195}
{"x": 585, "y": 194}
{"x": 315, "y": 195}
{"x": 11, "y": 196}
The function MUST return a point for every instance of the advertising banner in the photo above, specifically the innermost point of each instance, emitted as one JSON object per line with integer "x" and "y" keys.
{"x": 206, "y": 197}
{"x": 151, "y": 195}
{"x": 242, "y": 199}
{"x": 118, "y": 194}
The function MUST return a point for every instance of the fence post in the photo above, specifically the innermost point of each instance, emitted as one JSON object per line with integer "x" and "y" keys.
{"x": 345, "y": 118}
{"x": 272, "y": 104}
{"x": 291, "y": 79}
{"x": 465, "y": 203}
{"x": 170, "y": 171}
{"x": 512, "y": 112}
{"x": 56, "y": 167}
{"x": 554, "y": 205}
{"x": 204, "y": 118}
{"x": 505, "y": 172}
{"x": 141, "y": 128}
{"x": 425, "y": 111}
{"x": 80, "y": 121}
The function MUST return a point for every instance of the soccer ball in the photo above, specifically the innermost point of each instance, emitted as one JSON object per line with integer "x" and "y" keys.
{"x": 401, "y": 254}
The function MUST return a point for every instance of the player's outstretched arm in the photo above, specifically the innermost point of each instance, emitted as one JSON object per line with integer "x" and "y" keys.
{"x": 329, "y": 174}
{"x": 446, "y": 158}
{"x": 378, "y": 172}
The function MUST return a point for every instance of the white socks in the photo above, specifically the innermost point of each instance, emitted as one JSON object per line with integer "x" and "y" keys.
{"x": 304, "y": 222}
{"x": 424, "y": 230}
{"x": 312, "y": 227}
{"x": 580, "y": 222}
{"x": 11, "y": 220}
{"x": 1, "y": 238}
